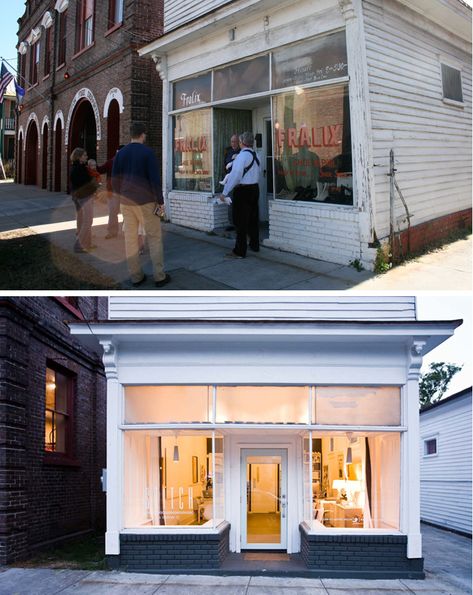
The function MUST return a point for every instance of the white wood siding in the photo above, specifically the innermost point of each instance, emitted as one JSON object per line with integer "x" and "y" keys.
{"x": 446, "y": 477}
{"x": 431, "y": 140}
{"x": 274, "y": 307}
{"x": 178, "y": 12}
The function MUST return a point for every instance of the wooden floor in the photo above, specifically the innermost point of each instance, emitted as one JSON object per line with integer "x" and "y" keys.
{"x": 264, "y": 527}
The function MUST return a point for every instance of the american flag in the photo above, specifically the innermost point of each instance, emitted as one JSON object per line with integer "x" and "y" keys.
{"x": 5, "y": 78}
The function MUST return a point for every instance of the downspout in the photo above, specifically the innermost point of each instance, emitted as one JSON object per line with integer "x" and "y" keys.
{"x": 51, "y": 105}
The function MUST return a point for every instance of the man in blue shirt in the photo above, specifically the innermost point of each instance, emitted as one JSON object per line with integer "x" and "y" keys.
{"x": 135, "y": 179}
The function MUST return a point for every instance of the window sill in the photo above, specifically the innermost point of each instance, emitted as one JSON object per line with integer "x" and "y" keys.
{"x": 83, "y": 50}
{"x": 453, "y": 102}
{"x": 112, "y": 29}
{"x": 57, "y": 460}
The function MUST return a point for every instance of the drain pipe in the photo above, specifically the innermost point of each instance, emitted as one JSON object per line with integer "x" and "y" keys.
{"x": 391, "y": 202}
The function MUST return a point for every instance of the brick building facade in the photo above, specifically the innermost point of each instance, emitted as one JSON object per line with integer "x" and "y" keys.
{"x": 52, "y": 452}
{"x": 85, "y": 83}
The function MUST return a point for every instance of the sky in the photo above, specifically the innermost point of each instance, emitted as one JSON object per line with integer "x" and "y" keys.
{"x": 11, "y": 11}
{"x": 457, "y": 349}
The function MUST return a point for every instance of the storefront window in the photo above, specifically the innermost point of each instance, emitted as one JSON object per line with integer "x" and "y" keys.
{"x": 262, "y": 404}
{"x": 243, "y": 78}
{"x": 192, "y": 92}
{"x": 192, "y": 154}
{"x": 358, "y": 405}
{"x": 167, "y": 404}
{"x": 172, "y": 479}
{"x": 312, "y": 145}
{"x": 355, "y": 481}
{"x": 310, "y": 61}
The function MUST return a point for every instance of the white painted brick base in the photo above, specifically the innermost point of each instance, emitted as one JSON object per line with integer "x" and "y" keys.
{"x": 197, "y": 211}
{"x": 325, "y": 232}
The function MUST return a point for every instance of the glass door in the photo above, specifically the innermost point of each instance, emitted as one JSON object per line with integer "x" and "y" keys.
{"x": 264, "y": 499}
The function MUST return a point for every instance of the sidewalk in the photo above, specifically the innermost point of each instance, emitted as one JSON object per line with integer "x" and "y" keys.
{"x": 196, "y": 260}
{"x": 447, "y": 566}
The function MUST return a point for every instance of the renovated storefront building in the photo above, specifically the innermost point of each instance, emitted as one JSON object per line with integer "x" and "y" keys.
{"x": 329, "y": 88}
{"x": 273, "y": 423}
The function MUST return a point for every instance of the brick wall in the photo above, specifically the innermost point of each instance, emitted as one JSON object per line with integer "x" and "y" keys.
{"x": 112, "y": 62}
{"x": 40, "y": 499}
{"x": 429, "y": 233}
{"x": 147, "y": 553}
{"x": 359, "y": 556}
{"x": 318, "y": 232}
{"x": 197, "y": 211}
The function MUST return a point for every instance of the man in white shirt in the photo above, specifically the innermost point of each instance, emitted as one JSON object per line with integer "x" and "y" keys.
{"x": 243, "y": 180}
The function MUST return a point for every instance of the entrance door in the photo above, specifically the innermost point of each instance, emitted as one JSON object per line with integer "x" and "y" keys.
{"x": 264, "y": 499}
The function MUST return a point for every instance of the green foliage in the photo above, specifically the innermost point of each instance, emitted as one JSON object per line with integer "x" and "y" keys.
{"x": 356, "y": 264}
{"x": 382, "y": 262}
{"x": 434, "y": 383}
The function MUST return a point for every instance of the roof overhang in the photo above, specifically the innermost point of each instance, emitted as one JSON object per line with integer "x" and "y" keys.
{"x": 453, "y": 15}
{"x": 432, "y": 333}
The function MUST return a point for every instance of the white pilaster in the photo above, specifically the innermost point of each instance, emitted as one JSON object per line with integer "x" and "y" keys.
{"x": 162, "y": 69}
{"x": 360, "y": 117}
{"x": 411, "y": 465}
{"x": 114, "y": 459}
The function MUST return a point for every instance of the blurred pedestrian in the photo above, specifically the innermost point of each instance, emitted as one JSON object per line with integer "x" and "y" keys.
{"x": 113, "y": 200}
{"x": 135, "y": 179}
{"x": 83, "y": 187}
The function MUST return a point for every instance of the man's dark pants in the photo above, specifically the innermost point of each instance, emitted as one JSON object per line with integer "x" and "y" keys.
{"x": 246, "y": 217}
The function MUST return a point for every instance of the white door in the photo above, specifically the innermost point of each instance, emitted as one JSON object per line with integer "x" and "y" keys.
{"x": 263, "y": 498}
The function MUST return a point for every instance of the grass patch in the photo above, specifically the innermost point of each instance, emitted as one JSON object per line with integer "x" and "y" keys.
{"x": 84, "y": 554}
{"x": 30, "y": 261}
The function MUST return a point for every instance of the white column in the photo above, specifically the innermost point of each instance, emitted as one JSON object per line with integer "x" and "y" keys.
{"x": 410, "y": 501}
{"x": 161, "y": 67}
{"x": 114, "y": 451}
{"x": 360, "y": 117}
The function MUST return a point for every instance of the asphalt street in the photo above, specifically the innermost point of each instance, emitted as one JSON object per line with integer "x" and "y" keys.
{"x": 196, "y": 260}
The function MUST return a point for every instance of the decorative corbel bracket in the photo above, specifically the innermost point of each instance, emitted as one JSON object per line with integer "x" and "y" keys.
{"x": 109, "y": 359}
{"x": 347, "y": 9}
{"x": 161, "y": 65}
{"x": 415, "y": 360}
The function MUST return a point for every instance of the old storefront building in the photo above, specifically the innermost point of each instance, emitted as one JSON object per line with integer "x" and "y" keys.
{"x": 264, "y": 423}
{"x": 329, "y": 88}
{"x": 84, "y": 81}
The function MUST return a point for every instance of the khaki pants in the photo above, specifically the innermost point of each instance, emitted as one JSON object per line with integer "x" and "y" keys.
{"x": 132, "y": 217}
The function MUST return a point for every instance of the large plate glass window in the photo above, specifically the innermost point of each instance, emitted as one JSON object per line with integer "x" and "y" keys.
{"x": 355, "y": 481}
{"x": 192, "y": 151}
{"x": 312, "y": 145}
{"x": 172, "y": 479}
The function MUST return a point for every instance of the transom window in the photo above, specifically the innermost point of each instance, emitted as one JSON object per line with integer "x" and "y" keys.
{"x": 331, "y": 405}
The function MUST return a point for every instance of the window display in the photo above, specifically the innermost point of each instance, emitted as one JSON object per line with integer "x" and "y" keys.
{"x": 355, "y": 481}
{"x": 192, "y": 151}
{"x": 312, "y": 145}
{"x": 172, "y": 479}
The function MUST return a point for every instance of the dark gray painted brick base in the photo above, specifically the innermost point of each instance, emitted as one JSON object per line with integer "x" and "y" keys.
{"x": 367, "y": 556}
{"x": 154, "y": 553}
